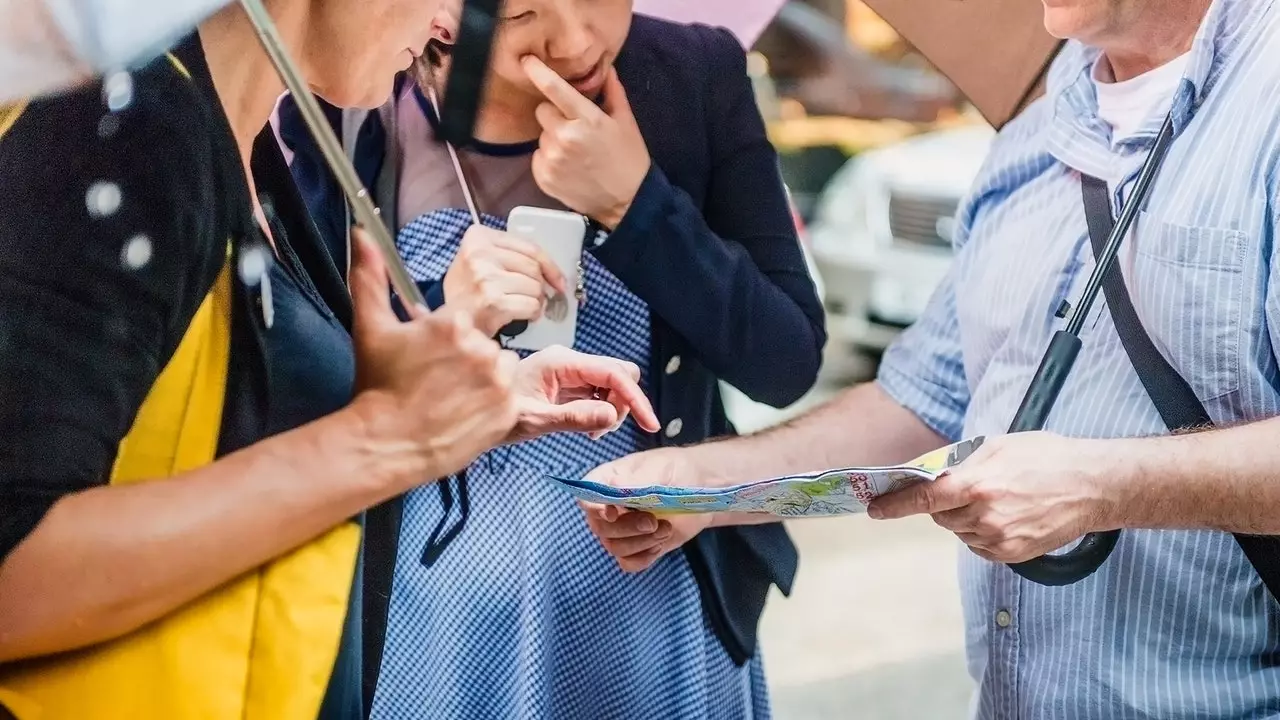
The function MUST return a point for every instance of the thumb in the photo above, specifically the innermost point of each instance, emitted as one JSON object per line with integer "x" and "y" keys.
{"x": 370, "y": 286}
{"x": 615, "y": 98}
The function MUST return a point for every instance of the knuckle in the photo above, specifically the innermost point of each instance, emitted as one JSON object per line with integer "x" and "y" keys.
{"x": 988, "y": 526}
{"x": 984, "y": 493}
{"x": 1008, "y": 550}
{"x": 926, "y": 496}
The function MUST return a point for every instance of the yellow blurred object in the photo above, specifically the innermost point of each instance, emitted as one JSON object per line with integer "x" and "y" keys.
{"x": 261, "y": 647}
{"x": 866, "y": 29}
{"x": 853, "y": 135}
{"x": 9, "y": 115}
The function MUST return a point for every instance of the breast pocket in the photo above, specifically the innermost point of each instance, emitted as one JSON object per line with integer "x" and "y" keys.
{"x": 1188, "y": 285}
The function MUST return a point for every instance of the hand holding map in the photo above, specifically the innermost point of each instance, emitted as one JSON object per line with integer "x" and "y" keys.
{"x": 839, "y": 491}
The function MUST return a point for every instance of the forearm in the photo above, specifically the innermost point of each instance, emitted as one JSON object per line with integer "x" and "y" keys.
{"x": 747, "y": 324}
{"x": 862, "y": 426}
{"x": 1226, "y": 479}
{"x": 137, "y": 552}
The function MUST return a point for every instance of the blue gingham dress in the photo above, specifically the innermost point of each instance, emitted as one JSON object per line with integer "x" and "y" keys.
{"x": 524, "y": 615}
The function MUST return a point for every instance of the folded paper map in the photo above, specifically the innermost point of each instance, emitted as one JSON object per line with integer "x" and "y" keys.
{"x": 833, "y": 492}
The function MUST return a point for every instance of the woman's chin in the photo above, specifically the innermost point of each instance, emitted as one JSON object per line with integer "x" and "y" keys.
{"x": 369, "y": 97}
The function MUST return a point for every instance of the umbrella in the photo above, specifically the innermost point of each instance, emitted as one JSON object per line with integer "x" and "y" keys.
{"x": 746, "y": 19}
{"x": 995, "y": 51}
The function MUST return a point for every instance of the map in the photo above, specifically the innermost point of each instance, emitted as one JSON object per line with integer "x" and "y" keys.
{"x": 833, "y": 492}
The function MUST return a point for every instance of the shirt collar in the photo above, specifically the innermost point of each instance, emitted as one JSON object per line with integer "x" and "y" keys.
{"x": 1081, "y": 139}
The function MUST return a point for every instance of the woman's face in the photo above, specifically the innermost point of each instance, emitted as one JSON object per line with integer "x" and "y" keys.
{"x": 355, "y": 48}
{"x": 579, "y": 39}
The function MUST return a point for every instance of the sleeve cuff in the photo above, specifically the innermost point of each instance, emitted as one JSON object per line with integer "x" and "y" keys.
{"x": 924, "y": 402}
{"x": 645, "y": 210}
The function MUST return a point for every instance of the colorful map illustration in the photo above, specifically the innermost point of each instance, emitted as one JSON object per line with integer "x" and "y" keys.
{"x": 833, "y": 492}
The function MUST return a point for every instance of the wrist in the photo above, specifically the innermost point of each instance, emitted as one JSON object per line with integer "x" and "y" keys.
{"x": 610, "y": 219}
{"x": 1126, "y": 470}
{"x": 388, "y": 457}
{"x": 613, "y": 217}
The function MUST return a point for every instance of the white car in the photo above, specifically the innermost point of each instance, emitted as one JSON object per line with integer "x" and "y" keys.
{"x": 882, "y": 234}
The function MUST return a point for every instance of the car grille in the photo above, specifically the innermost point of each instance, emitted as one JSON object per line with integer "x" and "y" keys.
{"x": 921, "y": 220}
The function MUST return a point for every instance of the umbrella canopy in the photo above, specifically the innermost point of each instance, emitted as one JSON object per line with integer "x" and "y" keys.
{"x": 994, "y": 51}
{"x": 744, "y": 18}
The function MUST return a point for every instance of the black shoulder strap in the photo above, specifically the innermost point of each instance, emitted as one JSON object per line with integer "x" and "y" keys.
{"x": 1169, "y": 391}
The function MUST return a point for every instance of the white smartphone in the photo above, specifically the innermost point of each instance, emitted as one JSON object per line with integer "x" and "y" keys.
{"x": 560, "y": 235}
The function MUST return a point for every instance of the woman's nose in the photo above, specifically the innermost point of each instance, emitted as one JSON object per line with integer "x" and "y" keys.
{"x": 570, "y": 41}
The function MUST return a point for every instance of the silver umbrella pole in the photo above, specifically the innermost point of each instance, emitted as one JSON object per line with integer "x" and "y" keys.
{"x": 362, "y": 207}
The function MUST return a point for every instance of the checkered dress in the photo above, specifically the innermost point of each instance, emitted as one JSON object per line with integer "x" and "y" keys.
{"x": 523, "y": 614}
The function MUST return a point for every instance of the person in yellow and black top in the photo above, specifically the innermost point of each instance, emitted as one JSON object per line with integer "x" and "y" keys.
{"x": 119, "y": 201}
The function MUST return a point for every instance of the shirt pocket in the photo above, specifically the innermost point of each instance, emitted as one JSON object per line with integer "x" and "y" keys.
{"x": 1187, "y": 287}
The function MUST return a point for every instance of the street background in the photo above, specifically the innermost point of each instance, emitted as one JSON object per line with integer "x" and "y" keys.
{"x": 877, "y": 149}
{"x": 872, "y": 630}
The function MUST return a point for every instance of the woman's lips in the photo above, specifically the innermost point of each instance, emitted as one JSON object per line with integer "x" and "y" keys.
{"x": 591, "y": 82}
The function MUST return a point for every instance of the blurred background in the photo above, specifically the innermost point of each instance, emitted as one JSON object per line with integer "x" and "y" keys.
{"x": 877, "y": 149}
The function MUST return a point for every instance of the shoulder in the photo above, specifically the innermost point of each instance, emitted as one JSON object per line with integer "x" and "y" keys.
{"x": 682, "y": 48}
{"x": 120, "y": 169}
{"x": 140, "y": 119}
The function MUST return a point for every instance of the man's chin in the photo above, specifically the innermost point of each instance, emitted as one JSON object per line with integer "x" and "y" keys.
{"x": 1067, "y": 20}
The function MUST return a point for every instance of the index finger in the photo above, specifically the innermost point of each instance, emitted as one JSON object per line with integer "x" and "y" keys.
{"x": 557, "y": 91}
{"x": 922, "y": 498}
{"x": 624, "y": 391}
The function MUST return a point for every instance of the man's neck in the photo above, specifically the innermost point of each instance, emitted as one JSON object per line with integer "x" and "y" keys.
{"x": 1151, "y": 36}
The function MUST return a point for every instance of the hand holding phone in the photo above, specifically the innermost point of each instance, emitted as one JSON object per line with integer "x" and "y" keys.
{"x": 558, "y": 235}
{"x": 500, "y": 278}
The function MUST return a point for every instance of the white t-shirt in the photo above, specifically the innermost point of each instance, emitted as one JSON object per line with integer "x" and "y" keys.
{"x": 1125, "y": 106}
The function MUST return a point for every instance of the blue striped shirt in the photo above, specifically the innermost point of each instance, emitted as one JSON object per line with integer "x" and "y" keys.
{"x": 1176, "y": 624}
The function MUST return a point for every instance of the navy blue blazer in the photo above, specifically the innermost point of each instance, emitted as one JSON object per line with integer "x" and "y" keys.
{"x": 710, "y": 245}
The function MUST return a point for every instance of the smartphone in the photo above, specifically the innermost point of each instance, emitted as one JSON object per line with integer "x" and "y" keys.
{"x": 560, "y": 235}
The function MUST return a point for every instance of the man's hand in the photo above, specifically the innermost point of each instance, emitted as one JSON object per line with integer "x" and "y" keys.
{"x": 1022, "y": 495}
{"x": 591, "y": 159}
{"x": 562, "y": 390}
{"x": 638, "y": 539}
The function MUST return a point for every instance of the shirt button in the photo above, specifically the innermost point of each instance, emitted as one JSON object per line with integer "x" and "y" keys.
{"x": 674, "y": 427}
{"x": 673, "y": 364}
{"x": 1004, "y": 619}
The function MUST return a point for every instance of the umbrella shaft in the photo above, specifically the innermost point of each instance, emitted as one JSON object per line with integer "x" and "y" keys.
{"x": 362, "y": 207}
{"x": 1128, "y": 213}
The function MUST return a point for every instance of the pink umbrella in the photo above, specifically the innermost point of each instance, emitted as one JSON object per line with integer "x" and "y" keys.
{"x": 744, "y": 18}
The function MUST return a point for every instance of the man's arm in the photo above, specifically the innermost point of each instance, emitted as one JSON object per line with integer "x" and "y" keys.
{"x": 862, "y": 426}
{"x": 1023, "y": 495}
{"x": 1222, "y": 479}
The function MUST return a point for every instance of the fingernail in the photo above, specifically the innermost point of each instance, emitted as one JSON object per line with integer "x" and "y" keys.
{"x": 875, "y": 513}
{"x": 648, "y": 524}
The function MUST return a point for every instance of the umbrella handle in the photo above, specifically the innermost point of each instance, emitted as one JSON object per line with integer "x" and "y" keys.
{"x": 1080, "y": 562}
{"x": 1073, "y": 566}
